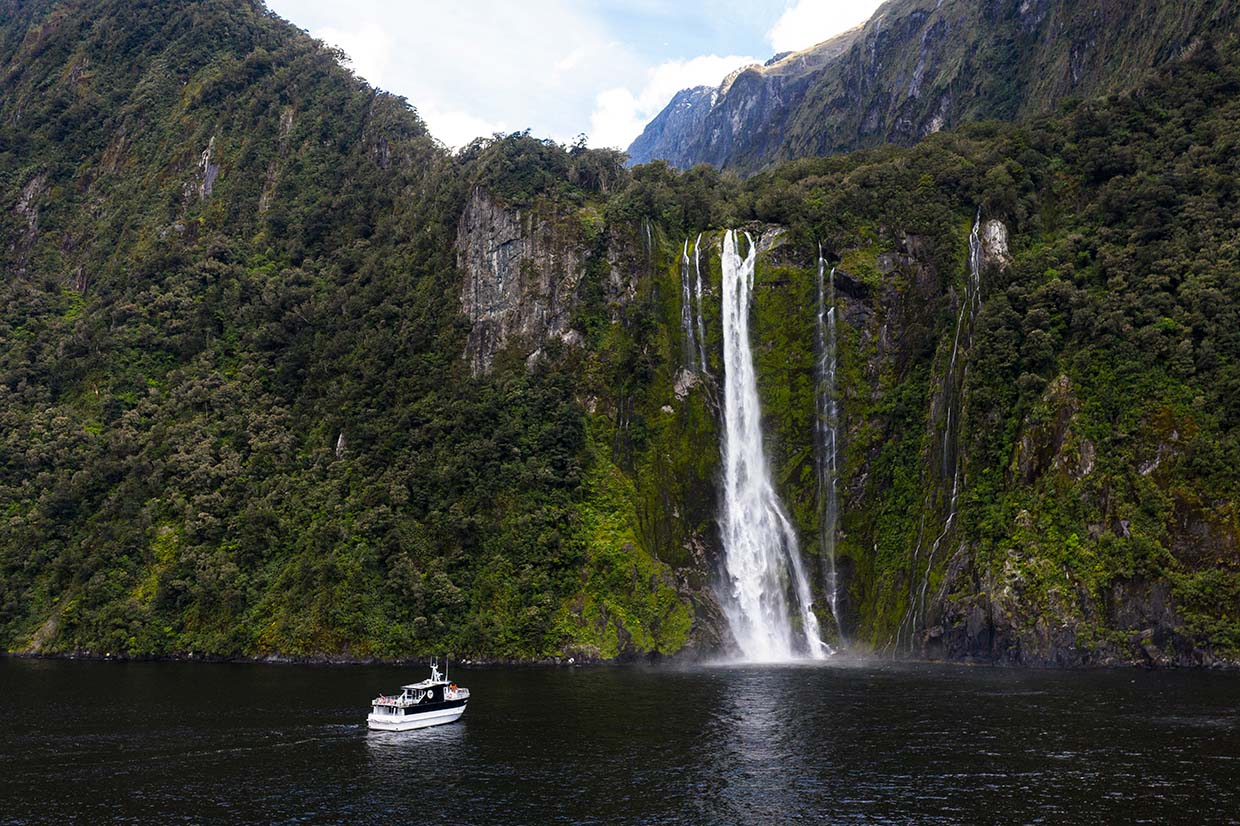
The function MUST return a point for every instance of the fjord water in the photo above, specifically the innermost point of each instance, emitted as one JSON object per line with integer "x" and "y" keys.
{"x": 766, "y": 596}
{"x": 833, "y": 742}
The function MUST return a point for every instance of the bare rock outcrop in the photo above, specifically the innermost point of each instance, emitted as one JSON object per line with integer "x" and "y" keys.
{"x": 521, "y": 274}
{"x": 995, "y": 244}
{"x": 27, "y": 211}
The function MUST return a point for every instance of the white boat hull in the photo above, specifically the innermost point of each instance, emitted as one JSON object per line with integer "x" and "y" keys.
{"x": 414, "y": 721}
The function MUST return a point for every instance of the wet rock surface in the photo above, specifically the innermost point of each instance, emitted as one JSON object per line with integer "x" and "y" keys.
{"x": 521, "y": 274}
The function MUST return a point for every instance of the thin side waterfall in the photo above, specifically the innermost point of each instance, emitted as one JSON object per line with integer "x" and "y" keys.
{"x": 768, "y": 601}
{"x": 701, "y": 326}
{"x": 687, "y": 325}
{"x": 827, "y": 431}
{"x": 949, "y": 456}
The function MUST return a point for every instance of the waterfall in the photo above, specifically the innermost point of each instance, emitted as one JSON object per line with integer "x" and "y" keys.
{"x": 949, "y": 454}
{"x": 687, "y": 326}
{"x": 701, "y": 326}
{"x": 827, "y": 432}
{"x": 767, "y": 587}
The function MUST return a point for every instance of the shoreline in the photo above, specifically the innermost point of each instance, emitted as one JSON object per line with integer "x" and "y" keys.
{"x": 344, "y": 661}
{"x": 338, "y": 660}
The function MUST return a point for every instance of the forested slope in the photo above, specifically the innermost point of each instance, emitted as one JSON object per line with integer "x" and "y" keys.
{"x": 260, "y": 395}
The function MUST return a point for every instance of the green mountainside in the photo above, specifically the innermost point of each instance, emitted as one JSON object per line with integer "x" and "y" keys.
{"x": 921, "y": 66}
{"x": 281, "y": 375}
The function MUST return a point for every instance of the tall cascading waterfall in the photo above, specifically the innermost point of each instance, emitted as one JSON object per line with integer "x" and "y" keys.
{"x": 826, "y": 429}
{"x": 949, "y": 455}
{"x": 688, "y": 326}
{"x": 767, "y": 588}
{"x": 701, "y": 326}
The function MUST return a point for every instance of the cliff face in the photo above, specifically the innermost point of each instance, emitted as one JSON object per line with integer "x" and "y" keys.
{"x": 920, "y": 66}
{"x": 920, "y": 571}
{"x": 521, "y": 274}
{"x": 669, "y": 135}
{"x": 279, "y": 374}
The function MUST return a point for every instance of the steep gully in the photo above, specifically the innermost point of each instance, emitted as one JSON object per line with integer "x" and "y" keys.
{"x": 827, "y": 428}
{"x": 950, "y": 398}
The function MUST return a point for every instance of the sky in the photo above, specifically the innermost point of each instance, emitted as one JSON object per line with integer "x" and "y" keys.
{"x": 559, "y": 68}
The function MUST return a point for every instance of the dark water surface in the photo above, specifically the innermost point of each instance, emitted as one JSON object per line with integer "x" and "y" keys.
{"x": 97, "y": 742}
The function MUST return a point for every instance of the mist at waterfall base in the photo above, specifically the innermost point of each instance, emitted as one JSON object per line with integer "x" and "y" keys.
{"x": 767, "y": 597}
{"x": 829, "y": 742}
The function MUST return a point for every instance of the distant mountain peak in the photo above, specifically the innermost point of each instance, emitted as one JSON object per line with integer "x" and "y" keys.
{"x": 920, "y": 66}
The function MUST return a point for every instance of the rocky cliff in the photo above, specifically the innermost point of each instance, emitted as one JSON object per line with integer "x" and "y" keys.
{"x": 919, "y": 66}
{"x": 668, "y": 136}
{"x": 280, "y": 375}
{"x": 521, "y": 274}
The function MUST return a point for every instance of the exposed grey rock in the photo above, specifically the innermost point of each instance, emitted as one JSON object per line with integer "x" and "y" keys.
{"x": 521, "y": 273}
{"x": 684, "y": 115}
{"x": 995, "y": 244}
{"x": 27, "y": 209}
{"x": 685, "y": 381}
{"x": 628, "y": 256}
{"x": 770, "y": 238}
{"x": 209, "y": 169}
{"x": 708, "y": 125}
{"x": 915, "y": 68}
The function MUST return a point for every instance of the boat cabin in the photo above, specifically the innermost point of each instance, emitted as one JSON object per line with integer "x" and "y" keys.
{"x": 429, "y": 702}
{"x": 419, "y": 697}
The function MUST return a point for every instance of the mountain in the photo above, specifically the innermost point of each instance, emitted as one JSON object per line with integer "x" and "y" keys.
{"x": 920, "y": 66}
{"x": 282, "y": 376}
{"x": 664, "y": 137}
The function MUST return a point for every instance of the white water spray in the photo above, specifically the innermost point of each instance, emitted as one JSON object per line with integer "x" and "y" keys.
{"x": 701, "y": 326}
{"x": 688, "y": 328}
{"x": 767, "y": 588}
{"x": 827, "y": 431}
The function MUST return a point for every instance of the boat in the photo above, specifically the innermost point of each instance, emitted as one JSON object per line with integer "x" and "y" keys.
{"x": 432, "y": 702}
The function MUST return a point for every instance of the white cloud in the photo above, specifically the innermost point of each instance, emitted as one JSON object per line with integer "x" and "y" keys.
{"x": 808, "y": 22}
{"x": 480, "y": 66}
{"x": 559, "y": 67}
{"x": 369, "y": 49}
{"x": 456, "y": 128}
{"x": 620, "y": 114}
{"x": 568, "y": 62}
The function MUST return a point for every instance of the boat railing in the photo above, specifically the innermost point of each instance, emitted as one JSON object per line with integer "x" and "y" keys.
{"x": 396, "y": 702}
{"x": 406, "y": 700}
{"x": 400, "y": 700}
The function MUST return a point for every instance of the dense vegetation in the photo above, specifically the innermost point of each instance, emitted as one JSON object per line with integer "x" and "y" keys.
{"x": 236, "y": 418}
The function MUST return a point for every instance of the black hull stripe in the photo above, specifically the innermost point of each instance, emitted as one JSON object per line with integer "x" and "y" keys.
{"x": 422, "y": 708}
